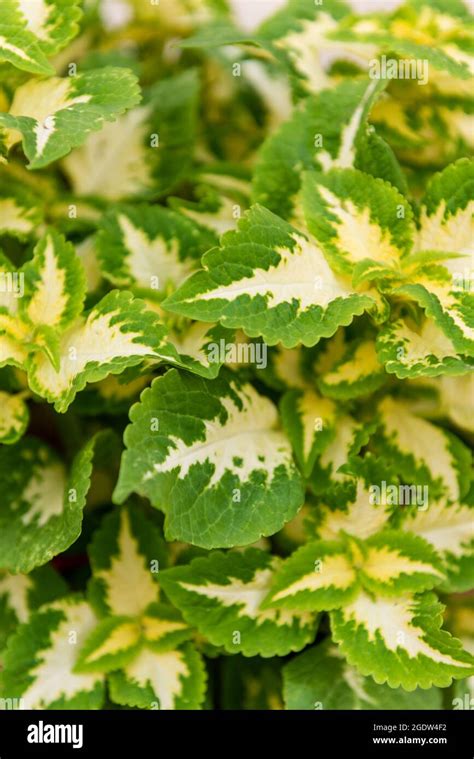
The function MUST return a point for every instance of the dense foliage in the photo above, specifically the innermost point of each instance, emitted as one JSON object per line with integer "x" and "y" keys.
{"x": 237, "y": 344}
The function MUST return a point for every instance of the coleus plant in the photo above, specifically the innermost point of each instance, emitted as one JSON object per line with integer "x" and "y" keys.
{"x": 271, "y": 306}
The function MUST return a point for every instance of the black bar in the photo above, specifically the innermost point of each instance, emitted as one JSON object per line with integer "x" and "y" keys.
{"x": 133, "y": 733}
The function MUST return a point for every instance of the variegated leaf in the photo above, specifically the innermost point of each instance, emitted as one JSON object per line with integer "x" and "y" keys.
{"x": 410, "y": 350}
{"x": 203, "y": 348}
{"x": 309, "y": 421}
{"x": 449, "y": 528}
{"x": 51, "y": 116}
{"x": 328, "y": 473}
{"x": 161, "y": 680}
{"x": 446, "y": 218}
{"x": 223, "y": 194}
{"x": 11, "y": 290}
{"x": 31, "y": 30}
{"x": 40, "y": 658}
{"x": 117, "y": 333}
{"x": 21, "y": 594}
{"x": 329, "y": 130}
{"x": 361, "y": 516}
{"x": 357, "y": 219}
{"x": 41, "y": 512}
{"x": 426, "y": 454}
{"x": 395, "y": 562}
{"x": 326, "y": 575}
{"x": 159, "y": 135}
{"x": 20, "y": 214}
{"x": 113, "y": 643}
{"x": 209, "y": 452}
{"x": 444, "y": 300}
{"x": 148, "y": 247}
{"x": 357, "y": 373}
{"x": 117, "y": 641}
{"x": 285, "y": 368}
{"x": 54, "y": 283}
{"x": 318, "y": 576}
{"x": 320, "y": 678}
{"x": 221, "y": 595}
{"x": 127, "y": 553}
{"x": 14, "y": 417}
{"x": 270, "y": 280}
{"x": 310, "y": 37}
{"x": 456, "y": 400}
{"x": 398, "y": 641}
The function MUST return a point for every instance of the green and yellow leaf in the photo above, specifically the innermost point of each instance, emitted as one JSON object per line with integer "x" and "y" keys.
{"x": 398, "y": 641}
{"x": 51, "y": 116}
{"x": 31, "y": 30}
{"x": 54, "y": 283}
{"x": 221, "y": 595}
{"x": 117, "y": 333}
{"x": 41, "y": 512}
{"x": 410, "y": 350}
{"x": 357, "y": 219}
{"x": 210, "y": 452}
{"x": 272, "y": 281}
{"x": 40, "y": 659}
{"x": 309, "y": 420}
{"x": 318, "y": 576}
{"x": 425, "y": 454}
{"x": 148, "y": 247}
{"x": 161, "y": 680}
{"x": 127, "y": 554}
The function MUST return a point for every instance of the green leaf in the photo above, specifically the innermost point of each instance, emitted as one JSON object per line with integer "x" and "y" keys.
{"x": 357, "y": 373}
{"x": 270, "y": 280}
{"x": 51, "y": 116}
{"x": 40, "y": 658}
{"x": 22, "y": 594}
{"x": 210, "y": 455}
{"x": 41, "y": 513}
{"x": 166, "y": 680}
{"x": 117, "y": 333}
{"x": 328, "y": 130}
{"x": 160, "y": 136}
{"x": 309, "y": 421}
{"x": 253, "y": 683}
{"x": 443, "y": 300}
{"x": 319, "y": 678}
{"x": 55, "y": 283}
{"x": 410, "y": 350}
{"x": 221, "y": 595}
{"x": 329, "y": 473}
{"x": 396, "y": 562}
{"x": 425, "y": 454}
{"x": 446, "y": 218}
{"x": 20, "y": 214}
{"x": 399, "y": 641}
{"x": 127, "y": 554}
{"x": 449, "y": 528}
{"x": 356, "y": 217}
{"x": 111, "y": 645}
{"x": 318, "y": 576}
{"x": 148, "y": 247}
{"x": 14, "y": 417}
{"x": 30, "y": 31}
